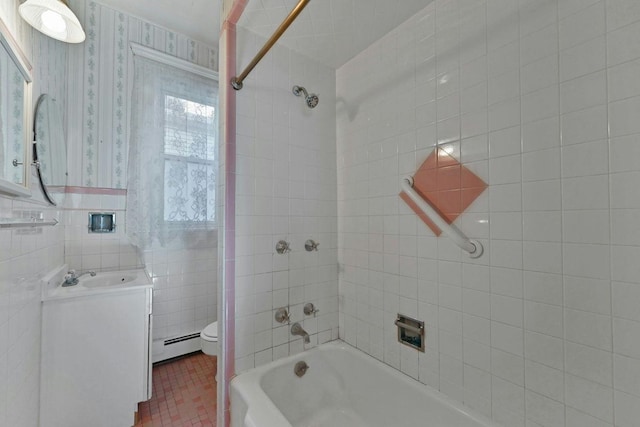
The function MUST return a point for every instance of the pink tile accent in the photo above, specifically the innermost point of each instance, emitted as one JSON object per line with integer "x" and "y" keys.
{"x": 57, "y": 188}
{"x": 237, "y": 8}
{"x": 446, "y": 185}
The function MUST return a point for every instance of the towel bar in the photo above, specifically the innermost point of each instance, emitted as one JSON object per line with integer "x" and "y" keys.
{"x": 22, "y": 223}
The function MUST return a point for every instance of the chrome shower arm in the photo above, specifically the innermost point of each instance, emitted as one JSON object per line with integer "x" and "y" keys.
{"x": 297, "y": 89}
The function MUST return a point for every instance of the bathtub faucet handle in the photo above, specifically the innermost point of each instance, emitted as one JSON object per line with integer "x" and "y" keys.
{"x": 282, "y": 247}
{"x": 282, "y": 315}
{"x": 310, "y": 309}
{"x": 311, "y": 245}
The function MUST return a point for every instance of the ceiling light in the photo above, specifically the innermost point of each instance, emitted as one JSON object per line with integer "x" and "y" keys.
{"x": 53, "y": 18}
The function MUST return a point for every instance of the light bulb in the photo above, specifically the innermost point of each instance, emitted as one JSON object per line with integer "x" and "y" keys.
{"x": 53, "y": 21}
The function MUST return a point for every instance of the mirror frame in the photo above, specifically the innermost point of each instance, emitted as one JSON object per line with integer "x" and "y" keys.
{"x": 36, "y": 159}
{"x": 10, "y": 45}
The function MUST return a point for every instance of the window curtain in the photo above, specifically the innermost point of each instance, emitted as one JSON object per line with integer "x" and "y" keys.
{"x": 171, "y": 177}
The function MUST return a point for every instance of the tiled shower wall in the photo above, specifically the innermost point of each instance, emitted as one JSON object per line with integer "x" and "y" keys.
{"x": 540, "y": 98}
{"x": 286, "y": 189}
{"x": 27, "y": 254}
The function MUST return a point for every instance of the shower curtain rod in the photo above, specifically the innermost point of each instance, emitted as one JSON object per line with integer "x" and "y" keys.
{"x": 236, "y": 82}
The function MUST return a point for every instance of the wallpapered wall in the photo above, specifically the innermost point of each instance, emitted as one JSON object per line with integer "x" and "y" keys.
{"x": 100, "y": 71}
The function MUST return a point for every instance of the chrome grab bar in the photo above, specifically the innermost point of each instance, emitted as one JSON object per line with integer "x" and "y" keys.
{"x": 473, "y": 247}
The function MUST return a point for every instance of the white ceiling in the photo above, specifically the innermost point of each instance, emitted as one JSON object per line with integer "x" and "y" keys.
{"x": 331, "y": 31}
{"x": 198, "y": 19}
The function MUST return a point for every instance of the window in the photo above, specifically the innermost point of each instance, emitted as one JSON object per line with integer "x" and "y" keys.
{"x": 172, "y": 164}
{"x": 189, "y": 160}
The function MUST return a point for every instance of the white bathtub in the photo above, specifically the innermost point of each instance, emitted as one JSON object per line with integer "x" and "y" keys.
{"x": 343, "y": 387}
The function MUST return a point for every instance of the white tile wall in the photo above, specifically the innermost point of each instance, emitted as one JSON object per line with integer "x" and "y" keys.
{"x": 540, "y": 99}
{"x": 25, "y": 256}
{"x": 286, "y": 189}
{"x": 185, "y": 287}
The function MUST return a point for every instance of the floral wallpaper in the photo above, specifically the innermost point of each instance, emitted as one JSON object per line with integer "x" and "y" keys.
{"x": 100, "y": 75}
{"x": 11, "y": 107}
{"x": 118, "y": 110}
{"x": 90, "y": 96}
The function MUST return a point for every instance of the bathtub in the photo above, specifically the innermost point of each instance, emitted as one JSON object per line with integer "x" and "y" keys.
{"x": 343, "y": 387}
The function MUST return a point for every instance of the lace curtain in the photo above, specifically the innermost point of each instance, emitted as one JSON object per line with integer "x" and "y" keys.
{"x": 172, "y": 155}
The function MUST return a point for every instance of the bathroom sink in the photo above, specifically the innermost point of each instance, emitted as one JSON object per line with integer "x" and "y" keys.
{"x": 102, "y": 280}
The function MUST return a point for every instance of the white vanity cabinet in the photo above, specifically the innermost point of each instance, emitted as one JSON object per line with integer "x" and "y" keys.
{"x": 96, "y": 363}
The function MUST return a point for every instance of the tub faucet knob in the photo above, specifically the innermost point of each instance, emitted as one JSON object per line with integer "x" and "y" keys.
{"x": 282, "y": 247}
{"x": 311, "y": 245}
{"x": 282, "y": 315}
{"x": 310, "y": 309}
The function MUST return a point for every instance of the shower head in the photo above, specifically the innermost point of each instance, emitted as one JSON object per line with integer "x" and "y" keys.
{"x": 311, "y": 99}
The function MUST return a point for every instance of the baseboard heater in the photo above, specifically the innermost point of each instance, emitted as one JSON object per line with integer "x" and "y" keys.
{"x": 169, "y": 348}
{"x": 182, "y": 338}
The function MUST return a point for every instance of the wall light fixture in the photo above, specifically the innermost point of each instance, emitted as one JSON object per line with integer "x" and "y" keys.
{"x": 53, "y": 18}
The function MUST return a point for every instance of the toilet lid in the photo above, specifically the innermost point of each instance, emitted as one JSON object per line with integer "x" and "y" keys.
{"x": 211, "y": 331}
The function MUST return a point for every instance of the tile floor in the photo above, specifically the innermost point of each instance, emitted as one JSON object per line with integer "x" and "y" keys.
{"x": 184, "y": 394}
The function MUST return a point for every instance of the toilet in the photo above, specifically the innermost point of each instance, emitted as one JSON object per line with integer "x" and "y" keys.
{"x": 209, "y": 339}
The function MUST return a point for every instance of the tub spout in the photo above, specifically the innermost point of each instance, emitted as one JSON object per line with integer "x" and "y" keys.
{"x": 296, "y": 329}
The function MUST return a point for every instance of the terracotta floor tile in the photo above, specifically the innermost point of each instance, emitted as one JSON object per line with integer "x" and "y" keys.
{"x": 184, "y": 394}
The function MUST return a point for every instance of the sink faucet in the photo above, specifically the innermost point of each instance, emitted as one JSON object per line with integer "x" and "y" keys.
{"x": 296, "y": 329}
{"x": 72, "y": 278}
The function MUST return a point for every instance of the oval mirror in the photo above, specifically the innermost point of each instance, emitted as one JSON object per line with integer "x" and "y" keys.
{"x": 49, "y": 148}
